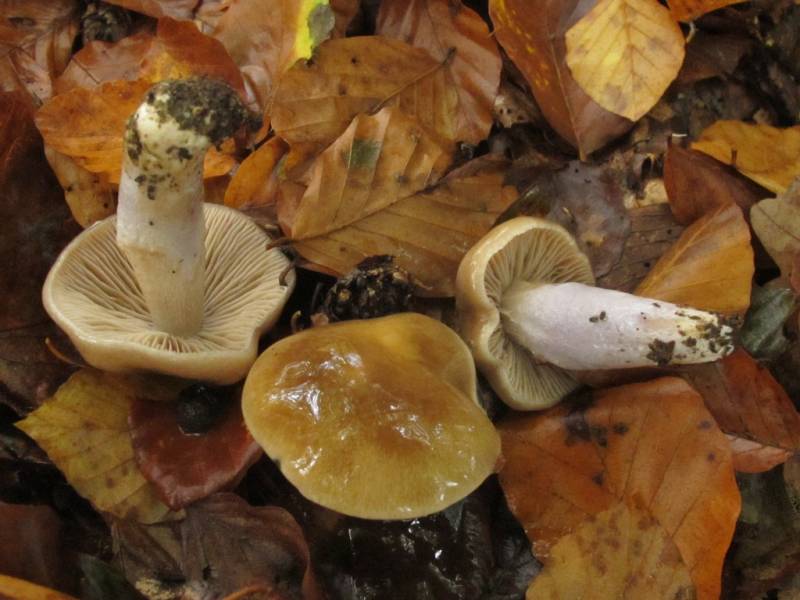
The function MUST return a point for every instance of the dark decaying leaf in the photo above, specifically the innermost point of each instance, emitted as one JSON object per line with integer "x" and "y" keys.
{"x": 101, "y": 581}
{"x": 35, "y": 225}
{"x": 749, "y": 405}
{"x": 177, "y": 9}
{"x": 222, "y": 546}
{"x": 762, "y": 333}
{"x": 712, "y": 55}
{"x": 184, "y": 468}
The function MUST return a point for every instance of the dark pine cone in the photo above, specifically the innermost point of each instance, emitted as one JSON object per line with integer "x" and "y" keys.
{"x": 375, "y": 288}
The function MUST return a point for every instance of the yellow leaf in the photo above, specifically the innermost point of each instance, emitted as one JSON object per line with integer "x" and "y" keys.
{"x": 776, "y": 222}
{"x": 427, "y": 233}
{"x": 84, "y": 430}
{"x": 12, "y": 588}
{"x": 768, "y": 155}
{"x": 255, "y": 181}
{"x": 710, "y": 266}
{"x": 375, "y": 162}
{"x": 620, "y": 553}
{"x": 625, "y": 53}
{"x": 315, "y": 102}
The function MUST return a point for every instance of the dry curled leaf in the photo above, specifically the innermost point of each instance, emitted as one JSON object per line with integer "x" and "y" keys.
{"x": 377, "y": 161}
{"x": 441, "y": 26}
{"x": 751, "y": 407}
{"x": 768, "y": 155}
{"x": 710, "y": 266}
{"x": 624, "y": 54}
{"x": 36, "y": 38}
{"x": 255, "y": 182}
{"x": 88, "y": 125}
{"x": 316, "y": 101}
{"x": 266, "y": 42}
{"x": 647, "y": 455}
{"x": 776, "y": 222}
{"x": 534, "y": 40}
{"x": 697, "y": 184}
{"x": 427, "y": 233}
{"x": 84, "y": 430}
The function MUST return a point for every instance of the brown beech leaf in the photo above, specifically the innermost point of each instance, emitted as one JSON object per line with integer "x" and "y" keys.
{"x": 84, "y": 430}
{"x": 534, "y": 40}
{"x": 316, "y": 101}
{"x": 375, "y": 162}
{"x": 689, "y": 10}
{"x": 768, "y": 155}
{"x": 266, "y": 42}
{"x": 439, "y": 26}
{"x": 36, "y": 227}
{"x": 185, "y": 468}
{"x": 752, "y": 407}
{"x": 90, "y": 198}
{"x": 88, "y": 125}
{"x": 19, "y": 589}
{"x": 697, "y": 184}
{"x": 710, "y": 266}
{"x": 712, "y": 55}
{"x": 255, "y": 182}
{"x": 427, "y": 233}
{"x": 36, "y": 39}
{"x": 624, "y": 54}
{"x": 177, "y": 9}
{"x": 776, "y": 222}
{"x": 641, "y": 461}
{"x": 177, "y": 50}
{"x": 223, "y": 546}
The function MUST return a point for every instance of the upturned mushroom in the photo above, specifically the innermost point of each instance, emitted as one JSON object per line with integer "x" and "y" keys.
{"x": 529, "y": 311}
{"x": 171, "y": 284}
{"x": 376, "y": 419}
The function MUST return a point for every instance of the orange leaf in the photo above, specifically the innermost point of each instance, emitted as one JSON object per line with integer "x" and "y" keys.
{"x": 89, "y": 197}
{"x": 315, "y": 102}
{"x": 768, "y": 155}
{"x": 17, "y": 589}
{"x": 650, "y": 449}
{"x": 750, "y": 405}
{"x": 624, "y": 54}
{"x": 439, "y": 26}
{"x": 255, "y": 182}
{"x": 534, "y": 39}
{"x": 698, "y": 184}
{"x": 375, "y": 162}
{"x": 710, "y": 266}
{"x": 87, "y": 126}
{"x": 689, "y": 10}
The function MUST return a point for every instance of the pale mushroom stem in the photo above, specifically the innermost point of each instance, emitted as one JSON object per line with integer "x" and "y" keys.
{"x": 577, "y": 327}
{"x": 160, "y": 225}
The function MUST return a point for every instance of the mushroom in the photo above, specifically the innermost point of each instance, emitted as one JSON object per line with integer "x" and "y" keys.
{"x": 171, "y": 284}
{"x": 376, "y": 419}
{"x": 528, "y": 310}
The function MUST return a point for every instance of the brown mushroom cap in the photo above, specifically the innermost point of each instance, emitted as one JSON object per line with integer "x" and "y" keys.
{"x": 524, "y": 249}
{"x": 91, "y": 292}
{"x": 376, "y": 419}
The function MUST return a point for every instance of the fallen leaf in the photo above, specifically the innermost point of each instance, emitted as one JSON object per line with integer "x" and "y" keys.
{"x": 622, "y": 552}
{"x": 255, "y": 182}
{"x": 223, "y": 545}
{"x": 265, "y": 43}
{"x": 697, "y": 184}
{"x": 427, "y": 233}
{"x": 344, "y": 11}
{"x": 36, "y": 39}
{"x": 624, "y": 54}
{"x": 177, "y": 9}
{"x": 101, "y": 581}
{"x": 377, "y": 161}
{"x": 748, "y": 403}
{"x": 316, "y": 101}
{"x": 710, "y": 267}
{"x": 88, "y": 125}
{"x": 755, "y": 457}
{"x": 84, "y": 430}
{"x": 776, "y": 223}
{"x": 18, "y": 589}
{"x": 36, "y": 227}
{"x": 443, "y": 26}
{"x": 768, "y": 155}
{"x": 653, "y": 231}
{"x": 712, "y": 55}
{"x": 647, "y": 448}
{"x": 534, "y": 40}
{"x": 185, "y": 468}
{"x": 689, "y": 10}
{"x": 762, "y": 333}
